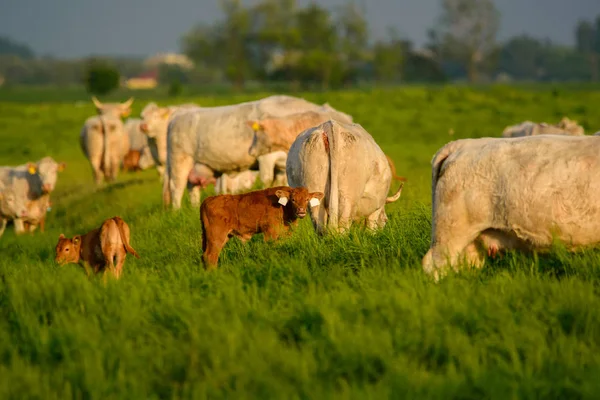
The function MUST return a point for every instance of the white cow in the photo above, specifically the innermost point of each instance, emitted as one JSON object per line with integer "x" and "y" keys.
{"x": 512, "y": 194}
{"x": 529, "y": 128}
{"x": 104, "y": 142}
{"x": 219, "y": 138}
{"x": 344, "y": 162}
{"x": 29, "y": 186}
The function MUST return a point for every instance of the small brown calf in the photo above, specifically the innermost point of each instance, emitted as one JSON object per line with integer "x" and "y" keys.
{"x": 270, "y": 211}
{"x": 131, "y": 161}
{"x": 100, "y": 248}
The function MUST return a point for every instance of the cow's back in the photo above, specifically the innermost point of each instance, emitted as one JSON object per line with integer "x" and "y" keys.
{"x": 535, "y": 186}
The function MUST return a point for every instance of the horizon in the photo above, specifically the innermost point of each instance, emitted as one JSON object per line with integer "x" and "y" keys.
{"x": 75, "y": 36}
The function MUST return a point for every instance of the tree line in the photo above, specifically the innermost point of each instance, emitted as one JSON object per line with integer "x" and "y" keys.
{"x": 315, "y": 47}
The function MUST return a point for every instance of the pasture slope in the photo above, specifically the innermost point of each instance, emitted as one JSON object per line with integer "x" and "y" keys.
{"x": 310, "y": 318}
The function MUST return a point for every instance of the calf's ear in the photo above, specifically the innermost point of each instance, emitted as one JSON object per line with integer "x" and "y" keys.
{"x": 31, "y": 168}
{"x": 76, "y": 240}
{"x": 61, "y": 236}
{"x": 283, "y": 196}
{"x": 62, "y": 166}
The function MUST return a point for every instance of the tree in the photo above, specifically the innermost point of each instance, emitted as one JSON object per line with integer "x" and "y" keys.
{"x": 353, "y": 38}
{"x": 467, "y": 31}
{"x": 388, "y": 58}
{"x": 585, "y": 35}
{"x": 224, "y": 44}
{"x": 10, "y": 47}
{"x": 101, "y": 78}
{"x": 318, "y": 60}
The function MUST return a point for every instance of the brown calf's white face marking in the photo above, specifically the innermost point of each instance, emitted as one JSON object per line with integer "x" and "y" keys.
{"x": 299, "y": 198}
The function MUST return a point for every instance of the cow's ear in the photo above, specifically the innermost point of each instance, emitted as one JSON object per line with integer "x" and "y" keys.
{"x": 315, "y": 198}
{"x": 61, "y": 236}
{"x": 31, "y": 168}
{"x": 62, "y": 166}
{"x": 76, "y": 240}
{"x": 316, "y": 195}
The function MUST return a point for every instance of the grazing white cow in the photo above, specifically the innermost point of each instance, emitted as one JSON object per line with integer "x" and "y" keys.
{"x": 104, "y": 142}
{"x": 496, "y": 194}
{"x": 219, "y": 138}
{"x": 529, "y": 128}
{"x": 344, "y": 162}
{"x": 28, "y": 187}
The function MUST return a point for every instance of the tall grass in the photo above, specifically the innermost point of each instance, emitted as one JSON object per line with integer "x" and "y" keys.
{"x": 304, "y": 317}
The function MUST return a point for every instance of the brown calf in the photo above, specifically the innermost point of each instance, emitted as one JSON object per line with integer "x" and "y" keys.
{"x": 270, "y": 211}
{"x": 131, "y": 161}
{"x": 103, "y": 247}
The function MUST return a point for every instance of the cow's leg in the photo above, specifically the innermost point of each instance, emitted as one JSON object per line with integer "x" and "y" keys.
{"x": 473, "y": 256}
{"x": 448, "y": 249}
{"x": 266, "y": 168}
{"x": 3, "y": 222}
{"x": 376, "y": 220}
{"x": 318, "y": 216}
{"x": 19, "y": 226}
{"x": 114, "y": 170}
{"x": 345, "y": 219}
{"x": 179, "y": 166}
{"x": 273, "y": 232}
{"x": 195, "y": 195}
{"x": 43, "y": 224}
{"x": 161, "y": 172}
{"x": 97, "y": 168}
{"x": 120, "y": 260}
{"x": 199, "y": 179}
{"x": 212, "y": 244}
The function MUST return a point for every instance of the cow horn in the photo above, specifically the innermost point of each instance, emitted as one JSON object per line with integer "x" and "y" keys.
{"x": 128, "y": 103}
{"x": 396, "y": 196}
{"x": 96, "y": 102}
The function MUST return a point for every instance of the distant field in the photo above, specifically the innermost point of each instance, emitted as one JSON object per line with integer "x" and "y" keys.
{"x": 305, "y": 317}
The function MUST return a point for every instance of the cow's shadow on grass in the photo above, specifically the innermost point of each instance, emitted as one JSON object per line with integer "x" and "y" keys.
{"x": 114, "y": 186}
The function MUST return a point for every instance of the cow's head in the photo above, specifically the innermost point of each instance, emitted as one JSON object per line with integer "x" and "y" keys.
{"x": 119, "y": 110}
{"x": 298, "y": 200}
{"x": 155, "y": 120}
{"x": 47, "y": 170}
{"x": 67, "y": 250}
{"x": 262, "y": 142}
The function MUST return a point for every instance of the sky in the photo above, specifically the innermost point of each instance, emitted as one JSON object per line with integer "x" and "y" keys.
{"x": 78, "y": 28}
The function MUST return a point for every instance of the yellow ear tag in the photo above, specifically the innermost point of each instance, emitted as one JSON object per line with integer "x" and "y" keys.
{"x": 256, "y": 126}
{"x": 31, "y": 170}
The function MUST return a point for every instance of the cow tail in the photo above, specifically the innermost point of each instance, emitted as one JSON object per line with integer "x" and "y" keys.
{"x": 121, "y": 226}
{"x": 106, "y": 148}
{"x": 334, "y": 196}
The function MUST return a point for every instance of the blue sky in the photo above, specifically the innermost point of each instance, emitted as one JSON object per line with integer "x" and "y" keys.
{"x": 75, "y": 28}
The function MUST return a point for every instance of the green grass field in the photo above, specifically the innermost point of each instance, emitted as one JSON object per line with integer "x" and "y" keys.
{"x": 305, "y": 317}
